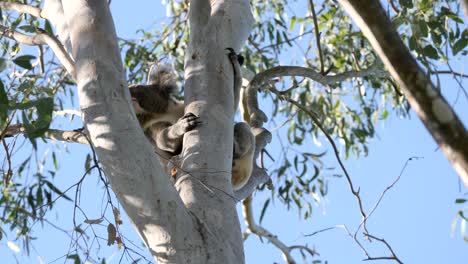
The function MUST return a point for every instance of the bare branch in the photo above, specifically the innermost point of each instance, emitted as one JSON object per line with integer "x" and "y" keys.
{"x": 393, "y": 257}
{"x": 74, "y": 136}
{"x": 394, "y": 7}
{"x": 276, "y": 44}
{"x": 258, "y": 230}
{"x": 279, "y": 71}
{"x": 258, "y": 117}
{"x": 383, "y": 194}
{"x": 42, "y": 39}
{"x": 452, "y": 73}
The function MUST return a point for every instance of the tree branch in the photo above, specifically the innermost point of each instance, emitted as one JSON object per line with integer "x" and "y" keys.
{"x": 53, "y": 10}
{"x": 434, "y": 111}
{"x": 25, "y": 9}
{"x": 451, "y": 72}
{"x": 317, "y": 37}
{"x": 258, "y": 230}
{"x": 74, "y": 136}
{"x": 464, "y": 4}
{"x": 258, "y": 117}
{"x": 42, "y": 39}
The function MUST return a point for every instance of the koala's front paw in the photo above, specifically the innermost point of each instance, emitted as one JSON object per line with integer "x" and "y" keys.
{"x": 188, "y": 122}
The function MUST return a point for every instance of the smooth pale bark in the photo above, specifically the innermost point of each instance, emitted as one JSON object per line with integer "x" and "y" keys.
{"x": 199, "y": 224}
{"x": 146, "y": 193}
{"x": 436, "y": 114}
{"x": 464, "y": 4}
{"x": 53, "y": 11}
{"x": 204, "y": 184}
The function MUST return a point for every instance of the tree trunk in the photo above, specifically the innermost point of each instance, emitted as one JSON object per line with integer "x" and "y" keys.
{"x": 197, "y": 223}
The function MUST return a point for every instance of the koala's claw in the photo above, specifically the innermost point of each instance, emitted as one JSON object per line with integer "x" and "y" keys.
{"x": 189, "y": 121}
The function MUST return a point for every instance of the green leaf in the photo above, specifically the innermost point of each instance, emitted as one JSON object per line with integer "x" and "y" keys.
{"x": 291, "y": 24}
{"x": 56, "y": 190}
{"x": 48, "y": 27}
{"x": 24, "y": 61}
{"x": 3, "y": 105}
{"x": 75, "y": 257}
{"x": 29, "y": 129}
{"x": 45, "y": 107}
{"x": 423, "y": 29}
{"x": 87, "y": 162}
{"x": 38, "y": 127}
{"x": 28, "y": 28}
{"x": 459, "y": 201}
{"x": 54, "y": 159}
{"x": 3, "y": 64}
{"x": 262, "y": 213}
{"x": 430, "y": 52}
{"x": 406, "y": 3}
{"x": 459, "y": 45}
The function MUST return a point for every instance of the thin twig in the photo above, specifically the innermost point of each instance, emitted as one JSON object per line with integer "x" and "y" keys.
{"x": 383, "y": 193}
{"x": 284, "y": 41}
{"x": 317, "y": 37}
{"x": 320, "y": 231}
{"x": 258, "y": 230}
{"x": 394, "y": 256}
{"x": 451, "y": 72}
{"x": 394, "y": 7}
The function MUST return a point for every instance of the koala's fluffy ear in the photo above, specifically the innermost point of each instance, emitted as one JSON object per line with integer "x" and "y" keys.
{"x": 164, "y": 77}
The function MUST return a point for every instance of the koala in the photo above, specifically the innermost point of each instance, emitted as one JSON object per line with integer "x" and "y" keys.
{"x": 160, "y": 115}
{"x": 242, "y": 162}
{"x": 163, "y": 120}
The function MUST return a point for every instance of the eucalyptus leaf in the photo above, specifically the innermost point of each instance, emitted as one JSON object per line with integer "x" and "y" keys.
{"x": 24, "y": 61}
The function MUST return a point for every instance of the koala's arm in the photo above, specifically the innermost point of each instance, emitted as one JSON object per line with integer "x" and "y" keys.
{"x": 244, "y": 148}
{"x": 168, "y": 137}
{"x": 236, "y": 61}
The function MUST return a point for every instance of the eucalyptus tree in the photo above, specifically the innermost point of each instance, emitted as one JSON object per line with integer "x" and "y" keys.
{"x": 337, "y": 90}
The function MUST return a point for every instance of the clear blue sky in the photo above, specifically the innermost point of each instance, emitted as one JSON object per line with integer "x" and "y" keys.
{"x": 415, "y": 217}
